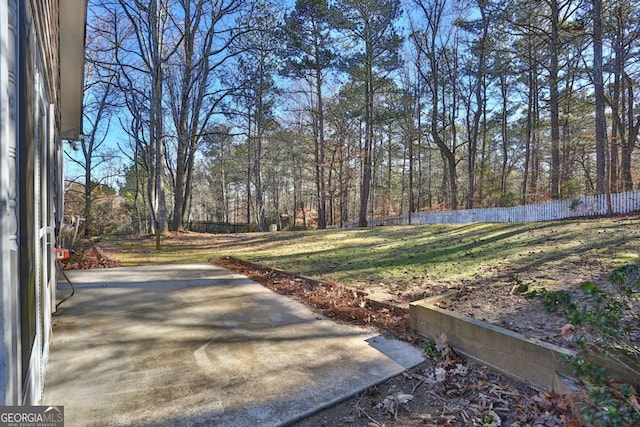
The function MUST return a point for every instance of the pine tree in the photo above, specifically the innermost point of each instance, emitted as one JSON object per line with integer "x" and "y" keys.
{"x": 370, "y": 26}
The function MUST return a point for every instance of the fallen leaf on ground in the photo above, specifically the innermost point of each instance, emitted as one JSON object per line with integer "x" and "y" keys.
{"x": 392, "y": 402}
{"x": 442, "y": 345}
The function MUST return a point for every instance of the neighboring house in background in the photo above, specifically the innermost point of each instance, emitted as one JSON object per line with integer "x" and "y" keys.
{"x": 41, "y": 78}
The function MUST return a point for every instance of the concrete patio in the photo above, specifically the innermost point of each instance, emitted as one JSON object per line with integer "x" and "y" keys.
{"x": 184, "y": 345}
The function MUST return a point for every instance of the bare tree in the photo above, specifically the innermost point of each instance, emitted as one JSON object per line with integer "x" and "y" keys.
{"x": 150, "y": 22}
{"x": 433, "y": 45}
{"x": 205, "y": 36}
{"x": 100, "y": 104}
{"x": 478, "y": 76}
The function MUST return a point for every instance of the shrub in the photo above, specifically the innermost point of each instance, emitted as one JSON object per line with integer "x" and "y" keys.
{"x": 608, "y": 317}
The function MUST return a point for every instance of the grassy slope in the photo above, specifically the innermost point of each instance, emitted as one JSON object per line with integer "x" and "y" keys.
{"x": 413, "y": 255}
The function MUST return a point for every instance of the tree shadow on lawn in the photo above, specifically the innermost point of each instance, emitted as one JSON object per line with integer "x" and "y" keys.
{"x": 357, "y": 261}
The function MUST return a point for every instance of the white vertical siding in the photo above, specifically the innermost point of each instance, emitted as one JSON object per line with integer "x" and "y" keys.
{"x": 10, "y": 359}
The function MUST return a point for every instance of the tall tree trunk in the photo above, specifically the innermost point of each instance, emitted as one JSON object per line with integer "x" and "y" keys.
{"x": 601, "y": 125}
{"x": 249, "y": 165}
{"x": 527, "y": 153}
{"x": 633, "y": 123}
{"x": 260, "y": 125}
{"x": 225, "y": 196}
{"x": 535, "y": 147}
{"x": 447, "y": 155}
{"x": 480, "y": 106}
{"x": 554, "y": 100}
{"x": 322, "y": 203}
{"x": 618, "y": 126}
{"x": 181, "y": 124}
{"x": 483, "y": 148}
{"x": 411, "y": 173}
{"x": 161, "y": 223}
{"x": 505, "y": 137}
{"x": 368, "y": 142}
{"x": 388, "y": 208}
{"x": 617, "y": 139}
{"x": 418, "y": 203}
{"x": 178, "y": 212}
{"x": 88, "y": 201}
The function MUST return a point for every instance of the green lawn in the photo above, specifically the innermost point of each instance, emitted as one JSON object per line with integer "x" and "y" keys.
{"x": 412, "y": 255}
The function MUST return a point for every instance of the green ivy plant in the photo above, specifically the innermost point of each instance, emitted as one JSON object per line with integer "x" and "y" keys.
{"x": 432, "y": 351}
{"x": 608, "y": 402}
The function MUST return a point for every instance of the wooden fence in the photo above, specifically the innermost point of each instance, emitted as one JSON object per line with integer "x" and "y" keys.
{"x": 217, "y": 227}
{"x": 585, "y": 206}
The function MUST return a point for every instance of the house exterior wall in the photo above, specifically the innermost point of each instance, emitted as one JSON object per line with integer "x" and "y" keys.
{"x": 30, "y": 191}
{"x": 10, "y": 356}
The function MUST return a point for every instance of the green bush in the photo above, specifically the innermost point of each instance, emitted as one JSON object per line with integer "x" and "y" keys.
{"x": 607, "y": 320}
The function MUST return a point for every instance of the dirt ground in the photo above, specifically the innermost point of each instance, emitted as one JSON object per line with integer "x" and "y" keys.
{"x": 496, "y": 300}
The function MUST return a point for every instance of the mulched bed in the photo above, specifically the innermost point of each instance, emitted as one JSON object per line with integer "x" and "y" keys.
{"x": 88, "y": 256}
{"x": 332, "y": 299}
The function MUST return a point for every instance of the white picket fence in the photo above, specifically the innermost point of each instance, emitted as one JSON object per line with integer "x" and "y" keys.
{"x": 585, "y": 206}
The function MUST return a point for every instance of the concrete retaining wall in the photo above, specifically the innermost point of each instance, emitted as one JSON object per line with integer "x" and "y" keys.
{"x": 514, "y": 354}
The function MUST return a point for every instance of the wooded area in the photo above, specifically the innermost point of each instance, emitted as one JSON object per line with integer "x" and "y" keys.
{"x": 318, "y": 113}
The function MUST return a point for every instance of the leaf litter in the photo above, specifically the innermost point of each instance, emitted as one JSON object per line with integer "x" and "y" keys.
{"x": 449, "y": 391}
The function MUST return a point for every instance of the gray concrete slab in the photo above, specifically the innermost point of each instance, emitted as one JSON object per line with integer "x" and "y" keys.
{"x": 185, "y": 345}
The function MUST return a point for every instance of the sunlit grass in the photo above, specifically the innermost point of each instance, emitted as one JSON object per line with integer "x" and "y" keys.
{"x": 403, "y": 255}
